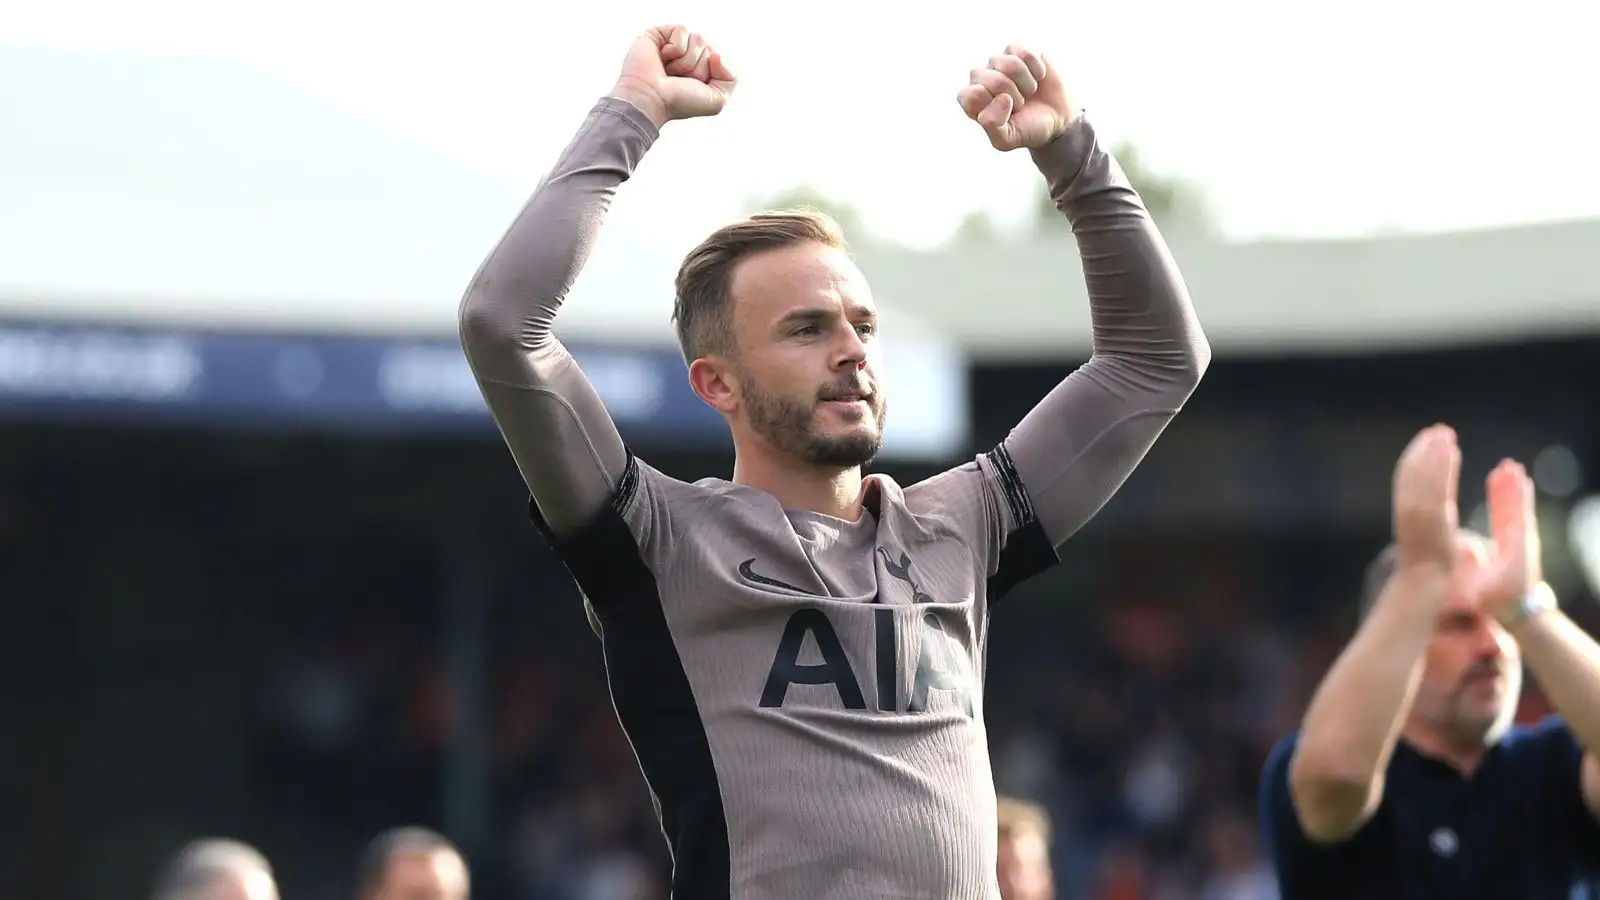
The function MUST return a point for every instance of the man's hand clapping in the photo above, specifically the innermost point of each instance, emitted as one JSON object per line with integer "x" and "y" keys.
{"x": 1426, "y": 515}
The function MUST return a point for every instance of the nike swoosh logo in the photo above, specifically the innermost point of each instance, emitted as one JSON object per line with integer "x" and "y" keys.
{"x": 751, "y": 575}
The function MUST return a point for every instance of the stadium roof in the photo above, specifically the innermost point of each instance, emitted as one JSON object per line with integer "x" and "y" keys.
{"x": 1274, "y": 297}
{"x": 149, "y": 190}
{"x": 195, "y": 191}
{"x": 190, "y": 195}
{"x": 190, "y": 191}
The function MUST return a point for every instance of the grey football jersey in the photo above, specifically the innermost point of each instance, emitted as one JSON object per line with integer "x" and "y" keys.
{"x": 804, "y": 693}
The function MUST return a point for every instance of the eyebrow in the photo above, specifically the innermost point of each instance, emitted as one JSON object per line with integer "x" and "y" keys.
{"x": 823, "y": 314}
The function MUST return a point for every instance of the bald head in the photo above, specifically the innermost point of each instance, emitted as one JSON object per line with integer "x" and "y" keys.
{"x": 217, "y": 869}
{"x": 1384, "y": 566}
{"x": 412, "y": 863}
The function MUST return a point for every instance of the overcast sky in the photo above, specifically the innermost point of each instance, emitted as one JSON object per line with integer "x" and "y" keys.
{"x": 1333, "y": 120}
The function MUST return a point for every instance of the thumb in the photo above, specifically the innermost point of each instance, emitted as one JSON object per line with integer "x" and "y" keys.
{"x": 697, "y": 98}
{"x": 721, "y": 76}
{"x": 996, "y": 120}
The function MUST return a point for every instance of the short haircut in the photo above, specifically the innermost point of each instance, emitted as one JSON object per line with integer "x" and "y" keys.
{"x": 1381, "y": 569}
{"x": 1019, "y": 817}
{"x": 373, "y": 866}
{"x": 201, "y": 863}
{"x": 702, "y": 309}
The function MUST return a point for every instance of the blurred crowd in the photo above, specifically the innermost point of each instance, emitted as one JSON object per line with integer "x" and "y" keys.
{"x": 1140, "y": 729}
{"x": 1137, "y": 715}
{"x": 1143, "y": 743}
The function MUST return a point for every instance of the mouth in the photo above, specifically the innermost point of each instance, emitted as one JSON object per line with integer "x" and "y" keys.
{"x": 848, "y": 398}
{"x": 846, "y": 405}
{"x": 850, "y": 406}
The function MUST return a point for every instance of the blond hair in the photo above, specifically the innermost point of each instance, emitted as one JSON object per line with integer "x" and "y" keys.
{"x": 1020, "y": 817}
{"x": 702, "y": 309}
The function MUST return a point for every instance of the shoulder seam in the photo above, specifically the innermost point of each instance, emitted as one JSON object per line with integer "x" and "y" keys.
{"x": 626, "y": 494}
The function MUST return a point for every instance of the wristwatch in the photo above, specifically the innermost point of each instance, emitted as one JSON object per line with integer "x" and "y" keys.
{"x": 1540, "y": 598}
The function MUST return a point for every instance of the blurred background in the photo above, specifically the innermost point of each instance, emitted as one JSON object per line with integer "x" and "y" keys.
{"x": 264, "y": 570}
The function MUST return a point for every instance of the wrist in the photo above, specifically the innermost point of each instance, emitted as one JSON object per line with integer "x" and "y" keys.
{"x": 643, "y": 98}
{"x": 1423, "y": 577}
{"x": 1534, "y": 603}
{"x": 1066, "y": 153}
{"x": 1411, "y": 599}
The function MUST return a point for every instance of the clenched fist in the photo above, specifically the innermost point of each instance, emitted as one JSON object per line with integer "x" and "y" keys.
{"x": 1426, "y": 515}
{"x": 672, "y": 73}
{"x": 1018, "y": 99}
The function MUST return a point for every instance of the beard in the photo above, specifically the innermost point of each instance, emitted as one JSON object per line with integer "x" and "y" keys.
{"x": 1493, "y": 719}
{"x": 1473, "y": 721}
{"x": 788, "y": 424}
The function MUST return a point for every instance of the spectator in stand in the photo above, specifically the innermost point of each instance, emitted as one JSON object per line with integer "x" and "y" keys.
{"x": 217, "y": 869}
{"x": 1024, "y": 858}
{"x": 412, "y": 863}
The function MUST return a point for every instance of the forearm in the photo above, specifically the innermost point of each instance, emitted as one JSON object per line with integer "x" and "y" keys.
{"x": 1139, "y": 305}
{"x": 1355, "y": 718}
{"x": 510, "y": 307}
{"x": 1565, "y": 661}
{"x": 564, "y": 443}
{"x": 1080, "y": 444}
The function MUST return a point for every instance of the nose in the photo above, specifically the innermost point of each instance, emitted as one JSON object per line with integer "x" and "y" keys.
{"x": 1488, "y": 641}
{"x": 851, "y": 350}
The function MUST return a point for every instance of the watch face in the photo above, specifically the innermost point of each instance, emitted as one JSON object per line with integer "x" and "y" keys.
{"x": 1537, "y": 600}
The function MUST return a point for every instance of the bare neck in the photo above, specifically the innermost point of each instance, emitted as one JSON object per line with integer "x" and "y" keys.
{"x": 796, "y": 485}
{"x": 1461, "y": 752}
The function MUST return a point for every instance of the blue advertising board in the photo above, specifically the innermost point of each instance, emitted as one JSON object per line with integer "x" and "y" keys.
{"x": 350, "y": 383}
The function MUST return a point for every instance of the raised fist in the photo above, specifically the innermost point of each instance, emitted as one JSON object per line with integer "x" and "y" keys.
{"x": 672, "y": 73}
{"x": 1426, "y": 517}
{"x": 1018, "y": 99}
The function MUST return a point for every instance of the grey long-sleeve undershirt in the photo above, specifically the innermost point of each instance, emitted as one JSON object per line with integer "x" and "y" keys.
{"x": 1071, "y": 452}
